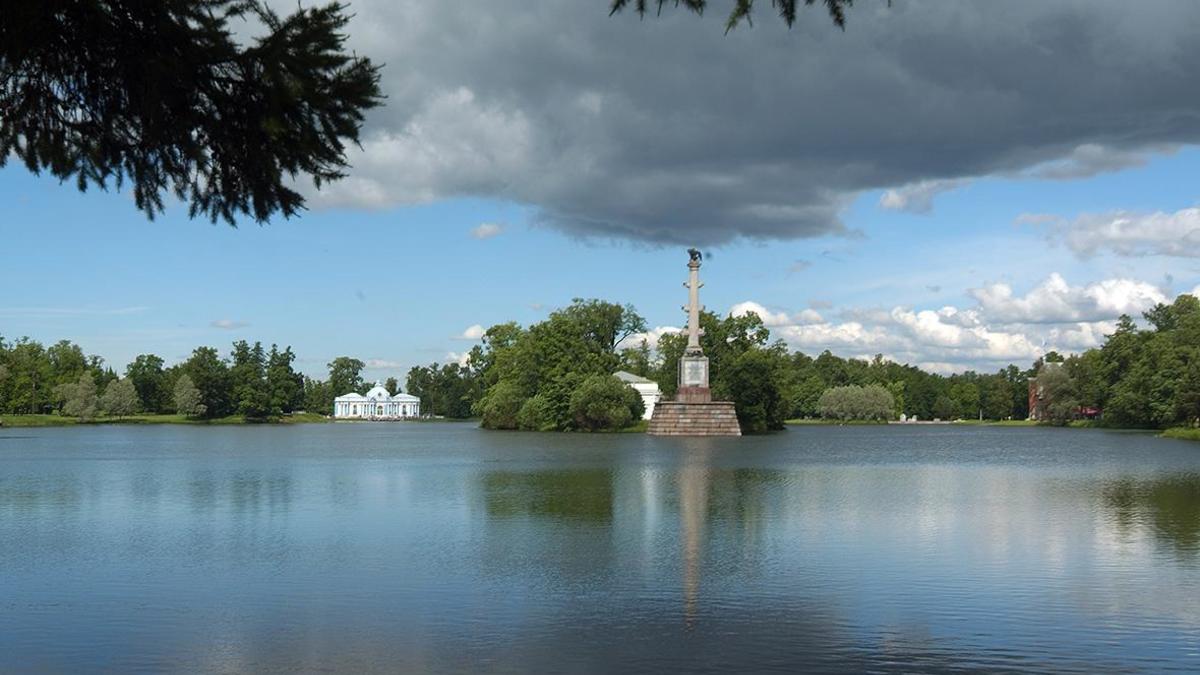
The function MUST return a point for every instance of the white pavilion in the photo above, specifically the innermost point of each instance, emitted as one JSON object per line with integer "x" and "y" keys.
{"x": 377, "y": 404}
{"x": 648, "y": 389}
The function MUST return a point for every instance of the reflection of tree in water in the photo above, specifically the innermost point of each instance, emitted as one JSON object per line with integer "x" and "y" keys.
{"x": 1171, "y": 505}
{"x": 585, "y": 494}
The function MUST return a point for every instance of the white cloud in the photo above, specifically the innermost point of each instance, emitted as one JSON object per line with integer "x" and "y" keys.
{"x": 1003, "y": 328}
{"x": 228, "y": 324}
{"x": 1127, "y": 233}
{"x": 474, "y": 332}
{"x": 917, "y": 197}
{"x": 768, "y": 317}
{"x": 384, "y": 363}
{"x": 651, "y": 337}
{"x": 461, "y": 358}
{"x": 487, "y": 230}
{"x": 809, "y": 316}
{"x": 1056, "y": 301}
{"x": 1196, "y": 291}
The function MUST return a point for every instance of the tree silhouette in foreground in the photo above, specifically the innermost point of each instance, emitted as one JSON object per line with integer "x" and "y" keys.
{"x": 742, "y": 9}
{"x": 162, "y": 95}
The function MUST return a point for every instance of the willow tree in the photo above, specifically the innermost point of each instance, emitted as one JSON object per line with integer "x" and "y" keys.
{"x": 164, "y": 97}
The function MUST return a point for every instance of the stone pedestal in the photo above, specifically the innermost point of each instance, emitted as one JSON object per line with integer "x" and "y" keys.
{"x": 678, "y": 418}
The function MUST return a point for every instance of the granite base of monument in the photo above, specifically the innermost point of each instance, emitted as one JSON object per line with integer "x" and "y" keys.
{"x": 679, "y": 418}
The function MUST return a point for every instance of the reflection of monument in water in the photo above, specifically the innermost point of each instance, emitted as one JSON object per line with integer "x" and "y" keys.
{"x": 693, "y": 412}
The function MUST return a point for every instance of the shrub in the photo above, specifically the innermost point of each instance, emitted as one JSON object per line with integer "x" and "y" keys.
{"x": 603, "y": 402}
{"x": 537, "y": 414}
{"x": 501, "y": 405}
{"x": 872, "y": 402}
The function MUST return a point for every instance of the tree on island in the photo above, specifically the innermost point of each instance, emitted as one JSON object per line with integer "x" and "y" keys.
{"x": 162, "y": 96}
{"x": 741, "y": 10}
{"x": 187, "y": 398}
{"x": 119, "y": 399}
{"x": 603, "y": 402}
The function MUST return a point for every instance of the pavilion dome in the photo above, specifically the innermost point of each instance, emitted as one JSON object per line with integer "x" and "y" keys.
{"x": 378, "y": 393}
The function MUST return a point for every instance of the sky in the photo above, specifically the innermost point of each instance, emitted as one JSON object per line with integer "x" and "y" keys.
{"x": 953, "y": 185}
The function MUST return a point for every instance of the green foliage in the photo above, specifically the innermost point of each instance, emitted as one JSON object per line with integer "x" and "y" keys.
{"x": 119, "y": 399}
{"x": 79, "y": 397}
{"x": 753, "y": 382}
{"x": 210, "y": 375}
{"x": 150, "y": 382}
{"x": 603, "y": 403}
{"x": 163, "y": 95}
{"x": 537, "y": 414}
{"x": 852, "y": 402}
{"x": 187, "y": 398}
{"x": 448, "y": 390}
{"x": 345, "y": 377}
{"x": 501, "y": 405}
{"x": 1059, "y": 399}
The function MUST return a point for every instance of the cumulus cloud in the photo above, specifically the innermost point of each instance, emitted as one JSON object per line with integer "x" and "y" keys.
{"x": 487, "y": 230}
{"x": 1133, "y": 234}
{"x": 474, "y": 332}
{"x": 461, "y": 358}
{"x": 383, "y": 363}
{"x": 768, "y": 317}
{"x": 228, "y": 324}
{"x": 669, "y": 131}
{"x": 1056, "y": 301}
{"x": 917, "y": 197}
{"x": 1002, "y": 328}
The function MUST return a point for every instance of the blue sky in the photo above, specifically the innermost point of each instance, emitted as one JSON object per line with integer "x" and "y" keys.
{"x": 954, "y": 185}
{"x": 399, "y": 286}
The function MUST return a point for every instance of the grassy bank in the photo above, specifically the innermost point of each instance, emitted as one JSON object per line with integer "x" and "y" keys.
{"x": 1182, "y": 433}
{"x": 831, "y": 423}
{"x": 25, "y": 421}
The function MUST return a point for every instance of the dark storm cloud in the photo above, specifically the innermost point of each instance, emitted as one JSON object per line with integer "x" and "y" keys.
{"x": 666, "y": 130}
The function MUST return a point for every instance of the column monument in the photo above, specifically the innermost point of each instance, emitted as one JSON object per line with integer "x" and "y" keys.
{"x": 693, "y": 412}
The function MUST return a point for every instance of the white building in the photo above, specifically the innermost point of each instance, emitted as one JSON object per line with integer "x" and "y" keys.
{"x": 376, "y": 405}
{"x": 647, "y": 388}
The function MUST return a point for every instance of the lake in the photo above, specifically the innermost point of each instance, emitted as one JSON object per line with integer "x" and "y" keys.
{"x": 441, "y": 547}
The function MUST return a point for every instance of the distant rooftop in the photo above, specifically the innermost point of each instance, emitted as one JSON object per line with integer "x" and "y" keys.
{"x": 631, "y": 378}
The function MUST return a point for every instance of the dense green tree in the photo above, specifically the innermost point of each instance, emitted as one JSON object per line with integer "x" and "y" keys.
{"x": 537, "y": 414}
{"x": 345, "y": 376}
{"x": 392, "y": 386}
{"x": 187, "y": 397}
{"x": 285, "y": 387}
{"x": 119, "y": 399}
{"x": 165, "y": 97}
{"x": 248, "y": 378}
{"x": 602, "y": 403}
{"x": 501, "y": 406}
{"x": 752, "y": 380}
{"x": 318, "y": 396}
{"x": 149, "y": 380}
{"x": 210, "y": 375}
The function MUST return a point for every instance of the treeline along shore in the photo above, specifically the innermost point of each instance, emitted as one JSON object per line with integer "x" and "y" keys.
{"x": 557, "y": 375}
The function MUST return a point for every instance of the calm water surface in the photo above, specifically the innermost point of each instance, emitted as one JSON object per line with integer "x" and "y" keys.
{"x": 440, "y": 547}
